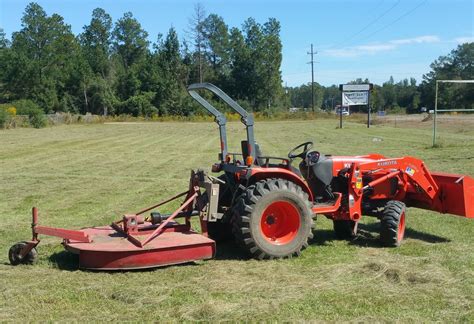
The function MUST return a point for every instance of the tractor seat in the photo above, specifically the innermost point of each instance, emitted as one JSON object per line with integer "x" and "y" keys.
{"x": 262, "y": 160}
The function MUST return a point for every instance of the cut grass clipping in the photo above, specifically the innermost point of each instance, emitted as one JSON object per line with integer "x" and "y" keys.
{"x": 90, "y": 175}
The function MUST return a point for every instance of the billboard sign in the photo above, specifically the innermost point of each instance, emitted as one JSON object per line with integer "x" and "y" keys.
{"x": 355, "y": 98}
{"x": 355, "y": 87}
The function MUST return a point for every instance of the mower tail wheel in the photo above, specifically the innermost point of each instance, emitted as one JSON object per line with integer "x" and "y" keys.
{"x": 344, "y": 229}
{"x": 392, "y": 228}
{"x": 14, "y": 254}
{"x": 273, "y": 219}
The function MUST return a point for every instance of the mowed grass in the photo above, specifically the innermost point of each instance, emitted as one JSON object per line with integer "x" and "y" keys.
{"x": 90, "y": 175}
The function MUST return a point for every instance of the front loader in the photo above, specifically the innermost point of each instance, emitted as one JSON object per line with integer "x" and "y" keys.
{"x": 267, "y": 204}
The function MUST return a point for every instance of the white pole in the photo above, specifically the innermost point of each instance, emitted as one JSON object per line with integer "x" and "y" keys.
{"x": 435, "y": 113}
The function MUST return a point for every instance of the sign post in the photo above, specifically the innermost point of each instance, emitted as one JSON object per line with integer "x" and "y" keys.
{"x": 355, "y": 95}
{"x": 340, "y": 117}
{"x": 368, "y": 109}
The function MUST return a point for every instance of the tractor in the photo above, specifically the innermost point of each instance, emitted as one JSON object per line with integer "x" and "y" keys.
{"x": 267, "y": 204}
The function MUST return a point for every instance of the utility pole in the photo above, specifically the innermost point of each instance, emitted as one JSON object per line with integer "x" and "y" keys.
{"x": 312, "y": 75}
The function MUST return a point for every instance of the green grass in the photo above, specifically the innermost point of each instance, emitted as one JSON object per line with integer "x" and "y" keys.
{"x": 90, "y": 175}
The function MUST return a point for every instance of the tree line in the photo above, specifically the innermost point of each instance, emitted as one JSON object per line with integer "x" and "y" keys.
{"x": 112, "y": 68}
{"x": 406, "y": 95}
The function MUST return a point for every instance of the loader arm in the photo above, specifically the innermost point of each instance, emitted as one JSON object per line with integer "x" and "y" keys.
{"x": 417, "y": 186}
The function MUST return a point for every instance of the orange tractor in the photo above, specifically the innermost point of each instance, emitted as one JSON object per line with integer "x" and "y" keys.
{"x": 265, "y": 203}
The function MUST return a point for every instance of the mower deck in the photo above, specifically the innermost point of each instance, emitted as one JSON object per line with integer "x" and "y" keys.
{"x": 111, "y": 250}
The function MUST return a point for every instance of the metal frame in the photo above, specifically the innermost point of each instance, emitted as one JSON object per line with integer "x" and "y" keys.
{"x": 436, "y": 110}
{"x": 246, "y": 118}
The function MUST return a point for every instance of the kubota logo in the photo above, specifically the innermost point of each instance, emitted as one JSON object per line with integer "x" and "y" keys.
{"x": 385, "y": 163}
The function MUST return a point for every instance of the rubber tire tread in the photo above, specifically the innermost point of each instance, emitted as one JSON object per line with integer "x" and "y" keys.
{"x": 30, "y": 258}
{"x": 247, "y": 201}
{"x": 390, "y": 221}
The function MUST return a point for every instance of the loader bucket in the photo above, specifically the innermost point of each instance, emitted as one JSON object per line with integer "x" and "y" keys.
{"x": 456, "y": 194}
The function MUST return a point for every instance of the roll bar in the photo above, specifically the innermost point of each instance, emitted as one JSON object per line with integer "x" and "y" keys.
{"x": 246, "y": 118}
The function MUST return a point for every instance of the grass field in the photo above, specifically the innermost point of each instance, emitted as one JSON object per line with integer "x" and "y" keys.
{"x": 90, "y": 175}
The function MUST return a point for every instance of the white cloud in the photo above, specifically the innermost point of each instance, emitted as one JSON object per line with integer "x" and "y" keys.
{"x": 375, "y": 48}
{"x": 417, "y": 40}
{"x": 466, "y": 39}
{"x": 359, "y": 50}
{"x": 371, "y": 49}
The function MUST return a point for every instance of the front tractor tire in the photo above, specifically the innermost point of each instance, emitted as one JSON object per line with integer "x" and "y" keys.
{"x": 392, "y": 229}
{"x": 273, "y": 219}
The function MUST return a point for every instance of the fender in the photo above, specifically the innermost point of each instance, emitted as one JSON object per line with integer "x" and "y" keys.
{"x": 259, "y": 173}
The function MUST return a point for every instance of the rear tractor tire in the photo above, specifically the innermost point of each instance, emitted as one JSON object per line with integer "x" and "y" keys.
{"x": 344, "y": 229}
{"x": 273, "y": 219}
{"x": 392, "y": 229}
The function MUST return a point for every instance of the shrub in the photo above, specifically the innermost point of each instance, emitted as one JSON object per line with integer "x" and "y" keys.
{"x": 7, "y": 112}
{"x": 11, "y": 111}
{"x": 37, "y": 118}
{"x": 4, "y": 118}
{"x": 35, "y": 113}
{"x": 139, "y": 105}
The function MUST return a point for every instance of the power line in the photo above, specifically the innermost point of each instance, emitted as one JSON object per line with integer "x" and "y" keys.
{"x": 396, "y": 20}
{"x": 370, "y": 23}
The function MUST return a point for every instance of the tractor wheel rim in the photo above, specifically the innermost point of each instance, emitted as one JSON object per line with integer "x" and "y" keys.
{"x": 280, "y": 222}
{"x": 401, "y": 228}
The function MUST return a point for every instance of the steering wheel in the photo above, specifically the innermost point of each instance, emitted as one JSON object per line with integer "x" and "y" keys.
{"x": 306, "y": 147}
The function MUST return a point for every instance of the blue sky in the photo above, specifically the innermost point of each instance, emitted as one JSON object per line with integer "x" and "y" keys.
{"x": 367, "y": 38}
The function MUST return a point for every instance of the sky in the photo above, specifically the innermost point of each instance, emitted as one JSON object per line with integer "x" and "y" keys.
{"x": 372, "y": 39}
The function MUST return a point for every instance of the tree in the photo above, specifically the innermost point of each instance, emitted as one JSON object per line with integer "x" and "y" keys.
{"x": 196, "y": 33}
{"x": 109, "y": 68}
{"x": 172, "y": 90}
{"x": 45, "y": 54}
{"x": 96, "y": 42}
{"x": 301, "y": 96}
{"x": 5, "y": 62}
{"x": 4, "y": 42}
{"x": 129, "y": 40}
{"x": 240, "y": 83}
{"x": 269, "y": 69}
{"x": 216, "y": 46}
{"x": 458, "y": 65}
{"x": 131, "y": 52}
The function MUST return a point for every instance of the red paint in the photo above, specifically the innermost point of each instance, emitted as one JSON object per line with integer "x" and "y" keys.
{"x": 280, "y": 222}
{"x": 132, "y": 242}
{"x": 328, "y": 209}
{"x": 157, "y": 231}
{"x": 259, "y": 173}
{"x": 63, "y": 233}
{"x": 401, "y": 228}
{"x": 110, "y": 251}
